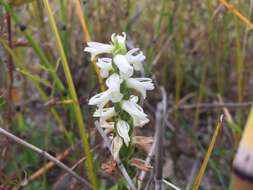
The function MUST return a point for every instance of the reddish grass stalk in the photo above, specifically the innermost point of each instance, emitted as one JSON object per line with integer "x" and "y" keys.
{"x": 10, "y": 71}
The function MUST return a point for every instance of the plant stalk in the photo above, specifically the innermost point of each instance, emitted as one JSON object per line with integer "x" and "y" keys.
{"x": 73, "y": 95}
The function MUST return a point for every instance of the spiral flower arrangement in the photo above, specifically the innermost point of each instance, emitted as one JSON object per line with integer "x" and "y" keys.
{"x": 125, "y": 113}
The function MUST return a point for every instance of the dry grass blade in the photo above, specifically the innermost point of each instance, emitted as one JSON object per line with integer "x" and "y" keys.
{"x": 44, "y": 154}
{"x": 72, "y": 91}
{"x": 147, "y": 162}
{"x": 236, "y": 130}
{"x": 237, "y": 13}
{"x": 160, "y": 115}
{"x": 10, "y": 71}
{"x": 170, "y": 185}
{"x": 87, "y": 38}
{"x": 45, "y": 168}
{"x": 61, "y": 182}
{"x": 202, "y": 170}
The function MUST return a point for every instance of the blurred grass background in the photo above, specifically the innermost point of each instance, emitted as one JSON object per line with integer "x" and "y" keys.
{"x": 197, "y": 50}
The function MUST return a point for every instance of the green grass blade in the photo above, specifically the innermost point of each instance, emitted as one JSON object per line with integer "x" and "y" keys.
{"x": 40, "y": 91}
{"x": 72, "y": 92}
{"x": 34, "y": 77}
{"x": 38, "y": 51}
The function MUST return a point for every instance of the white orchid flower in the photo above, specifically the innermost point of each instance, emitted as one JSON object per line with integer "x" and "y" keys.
{"x": 100, "y": 99}
{"x": 125, "y": 69}
{"x": 135, "y": 111}
{"x": 104, "y": 114}
{"x": 119, "y": 40}
{"x": 105, "y": 66}
{"x": 123, "y": 130}
{"x": 135, "y": 59}
{"x": 116, "y": 145}
{"x": 113, "y": 92}
{"x": 96, "y": 48}
{"x": 113, "y": 83}
{"x": 140, "y": 84}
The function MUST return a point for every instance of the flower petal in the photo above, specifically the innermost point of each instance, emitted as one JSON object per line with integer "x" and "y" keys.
{"x": 105, "y": 113}
{"x": 116, "y": 145}
{"x": 126, "y": 70}
{"x": 136, "y": 112}
{"x": 100, "y": 99}
{"x": 140, "y": 84}
{"x": 134, "y": 99}
{"x": 96, "y": 48}
{"x": 113, "y": 83}
{"x": 119, "y": 39}
{"x": 105, "y": 66}
{"x": 123, "y": 130}
{"x": 135, "y": 60}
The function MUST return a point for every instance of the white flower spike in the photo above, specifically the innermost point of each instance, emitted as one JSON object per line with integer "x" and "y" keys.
{"x": 118, "y": 70}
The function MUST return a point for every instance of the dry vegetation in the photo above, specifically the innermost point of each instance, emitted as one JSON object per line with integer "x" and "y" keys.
{"x": 198, "y": 51}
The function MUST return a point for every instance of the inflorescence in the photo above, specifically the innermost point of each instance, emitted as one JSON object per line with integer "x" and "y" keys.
{"x": 125, "y": 113}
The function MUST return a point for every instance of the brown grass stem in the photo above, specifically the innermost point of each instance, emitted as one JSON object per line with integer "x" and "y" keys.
{"x": 10, "y": 71}
{"x": 159, "y": 149}
{"x": 45, "y": 155}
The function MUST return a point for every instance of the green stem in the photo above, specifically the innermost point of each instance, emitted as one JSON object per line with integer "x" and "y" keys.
{"x": 72, "y": 91}
{"x": 34, "y": 45}
{"x": 39, "y": 90}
